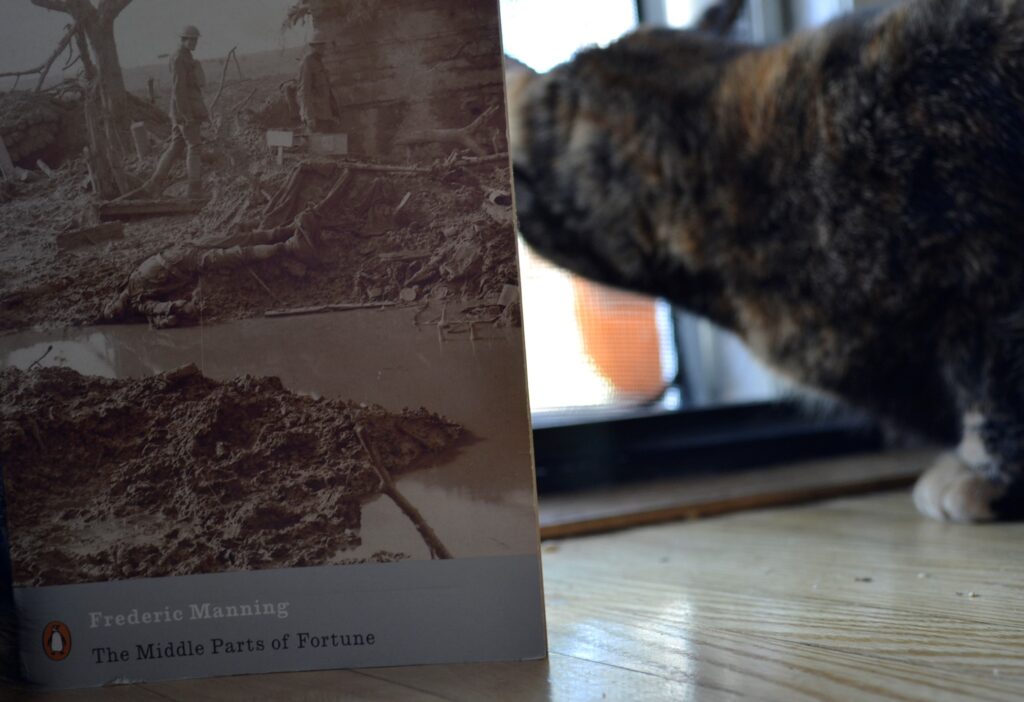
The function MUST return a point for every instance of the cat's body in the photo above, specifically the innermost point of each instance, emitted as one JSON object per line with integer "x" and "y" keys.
{"x": 850, "y": 202}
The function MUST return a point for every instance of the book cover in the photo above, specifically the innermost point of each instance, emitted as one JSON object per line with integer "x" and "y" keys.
{"x": 262, "y": 385}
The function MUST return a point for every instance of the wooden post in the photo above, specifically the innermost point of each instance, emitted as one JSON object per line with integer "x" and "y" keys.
{"x": 91, "y": 177}
{"x": 6, "y": 164}
{"x": 140, "y": 136}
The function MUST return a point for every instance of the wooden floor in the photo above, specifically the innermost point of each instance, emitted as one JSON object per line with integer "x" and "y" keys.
{"x": 689, "y": 496}
{"x": 855, "y": 598}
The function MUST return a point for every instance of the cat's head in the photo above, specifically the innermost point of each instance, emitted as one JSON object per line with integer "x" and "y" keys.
{"x": 589, "y": 141}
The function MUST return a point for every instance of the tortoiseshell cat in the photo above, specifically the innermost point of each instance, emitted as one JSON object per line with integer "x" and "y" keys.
{"x": 850, "y": 202}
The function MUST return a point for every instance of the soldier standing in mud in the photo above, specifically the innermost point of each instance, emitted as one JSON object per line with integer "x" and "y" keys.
{"x": 188, "y": 113}
{"x": 317, "y": 106}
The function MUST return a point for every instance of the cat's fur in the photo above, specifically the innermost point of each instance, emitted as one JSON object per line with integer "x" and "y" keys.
{"x": 850, "y": 202}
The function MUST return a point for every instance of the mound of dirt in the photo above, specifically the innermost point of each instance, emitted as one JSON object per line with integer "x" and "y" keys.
{"x": 179, "y": 474}
{"x": 50, "y": 125}
{"x": 29, "y": 123}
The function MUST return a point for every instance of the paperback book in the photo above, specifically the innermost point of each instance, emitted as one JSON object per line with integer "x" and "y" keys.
{"x": 262, "y": 386}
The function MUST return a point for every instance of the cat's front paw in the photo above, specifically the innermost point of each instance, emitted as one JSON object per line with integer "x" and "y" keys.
{"x": 951, "y": 492}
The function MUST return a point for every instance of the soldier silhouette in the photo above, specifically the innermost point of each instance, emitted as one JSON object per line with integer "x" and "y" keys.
{"x": 188, "y": 113}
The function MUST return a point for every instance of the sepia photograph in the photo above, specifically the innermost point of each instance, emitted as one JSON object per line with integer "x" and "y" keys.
{"x": 259, "y": 292}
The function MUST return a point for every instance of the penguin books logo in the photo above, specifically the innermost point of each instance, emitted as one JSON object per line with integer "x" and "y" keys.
{"x": 57, "y": 641}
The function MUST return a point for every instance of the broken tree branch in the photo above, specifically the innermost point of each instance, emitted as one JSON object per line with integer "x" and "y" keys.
{"x": 318, "y": 309}
{"x": 43, "y": 69}
{"x": 238, "y": 66}
{"x": 56, "y": 5}
{"x": 388, "y": 168}
{"x": 437, "y": 549}
{"x": 223, "y": 78}
{"x": 241, "y": 103}
{"x": 262, "y": 284}
{"x": 40, "y": 359}
{"x": 463, "y": 136}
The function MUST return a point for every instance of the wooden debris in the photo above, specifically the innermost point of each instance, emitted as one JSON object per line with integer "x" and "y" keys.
{"x": 40, "y": 359}
{"x": 438, "y": 550}
{"x": 456, "y": 162}
{"x": 403, "y": 202}
{"x": 284, "y": 205}
{"x": 472, "y": 160}
{"x": 89, "y": 236}
{"x": 223, "y": 77}
{"x": 90, "y": 175}
{"x": 140, "y": 136}
{"x": 318, "y": 309}
{"x": 41, "y": 165}
{"x": 132, "y": 209}
{"x": 6, "y": 165}
{"x": 462, "y": 136}
{"x": 263, "y": 285}
{"x": 242, "y": 103}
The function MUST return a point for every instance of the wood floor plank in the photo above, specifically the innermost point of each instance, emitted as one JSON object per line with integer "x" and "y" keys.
{"x": 949, "y": 643}
{"x": 564, "y": 678}
{"x": 725, "y": 665}
{"x": 313, "y": 686}
{"x": 830, "y": 589}
{"x": 692, "y": 496}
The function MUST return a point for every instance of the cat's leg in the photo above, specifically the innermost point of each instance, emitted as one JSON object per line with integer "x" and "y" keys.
{"x": 982, "y": 479}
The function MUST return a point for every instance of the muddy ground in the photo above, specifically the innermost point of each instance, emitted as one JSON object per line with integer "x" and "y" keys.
{"x": 442, "y": 232}
{"x": 178, "y": 474}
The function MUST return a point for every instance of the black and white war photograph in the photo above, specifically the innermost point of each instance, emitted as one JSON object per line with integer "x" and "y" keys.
{"x": 259, "y": 293}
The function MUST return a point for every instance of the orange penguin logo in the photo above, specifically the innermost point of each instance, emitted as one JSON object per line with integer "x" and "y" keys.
{"x": 57, "y": 641}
